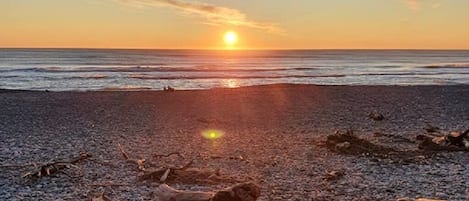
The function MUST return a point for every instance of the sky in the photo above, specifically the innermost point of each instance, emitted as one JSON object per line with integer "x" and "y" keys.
{"x": 259, "y": 24}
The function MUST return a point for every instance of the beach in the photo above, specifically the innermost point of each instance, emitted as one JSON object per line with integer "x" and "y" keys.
{"x": 268, "y": 134}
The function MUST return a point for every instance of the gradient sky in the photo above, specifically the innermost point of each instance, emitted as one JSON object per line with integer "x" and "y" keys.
{"x": 270, "y": 24}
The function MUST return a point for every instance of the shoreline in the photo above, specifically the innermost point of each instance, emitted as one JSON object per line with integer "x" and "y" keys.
{"x": 4, "y": 90}
{"x": 271, "y": 136}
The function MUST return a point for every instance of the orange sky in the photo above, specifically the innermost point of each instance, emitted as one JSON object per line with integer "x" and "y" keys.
{"x": 260, "y": 24}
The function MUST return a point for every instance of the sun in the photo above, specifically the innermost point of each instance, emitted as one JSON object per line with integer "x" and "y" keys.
{"x": 230, "y": 38}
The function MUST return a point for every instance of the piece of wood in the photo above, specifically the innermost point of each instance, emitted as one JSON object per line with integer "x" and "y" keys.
{"x": 166, "y": 193}
{"x": 139, "y": 162}
{"x": 101, "y": 197}
{"x": 165, "y": 175}
{"x": 240, "y": 192}
{"x": 54, "y": 167}
{"x": 126, "y": 157}
{"x": 168, "y": 155}
{"x": 455, "y": 141}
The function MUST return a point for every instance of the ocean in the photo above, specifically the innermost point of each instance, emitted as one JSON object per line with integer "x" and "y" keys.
{"x": 110, "y": 69}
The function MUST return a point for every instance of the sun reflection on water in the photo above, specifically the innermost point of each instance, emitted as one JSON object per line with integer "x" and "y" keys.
{"x": 231, "y": 83}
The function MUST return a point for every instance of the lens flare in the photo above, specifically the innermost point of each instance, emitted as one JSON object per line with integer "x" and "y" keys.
{"x": 212, "y": 134}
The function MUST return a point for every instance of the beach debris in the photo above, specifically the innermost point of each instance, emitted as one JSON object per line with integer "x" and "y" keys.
{"x": 139, "y": 162}
{"x": 454, "y": 141}
{"x": 241, "y": 158}
{"x": 348, "y": 143}
{"x": 240, "y": 192}
{"x": 395, "y": 138}
{"x": 163, "y": 173}
{"x": 376, "y": 116}
{"x": 54, "y": 167}
{"x": 101, "y": 197}
{"x": 334, "y": 175}
{"x": 190, "y": 176}
{"x": 342, "y": 145}
{"x": 168, "y": 155}
{"x": 183, "y": 174}
{"x": 168, "y": 88}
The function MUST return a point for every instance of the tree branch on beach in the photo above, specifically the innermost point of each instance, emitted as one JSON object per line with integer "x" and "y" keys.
{"x": 139, "y": 162}
{"x": 54, "y": 167}
{"x": 168, "y": 155}
{"x": 182, "y": 174}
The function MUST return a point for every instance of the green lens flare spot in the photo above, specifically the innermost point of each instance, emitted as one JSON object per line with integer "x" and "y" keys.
{"x": 212, "y": 134}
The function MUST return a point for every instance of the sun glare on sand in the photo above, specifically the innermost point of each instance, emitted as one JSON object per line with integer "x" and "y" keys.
{"x": 230, "y": 38}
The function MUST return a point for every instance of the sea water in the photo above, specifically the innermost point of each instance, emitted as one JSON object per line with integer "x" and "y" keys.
{"x": 110, "y": 69}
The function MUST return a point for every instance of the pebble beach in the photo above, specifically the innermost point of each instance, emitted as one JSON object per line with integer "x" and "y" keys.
{"x": 267, "y": 134}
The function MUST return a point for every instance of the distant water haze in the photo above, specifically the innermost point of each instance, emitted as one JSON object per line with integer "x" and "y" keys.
{"x": 102, "y": 69}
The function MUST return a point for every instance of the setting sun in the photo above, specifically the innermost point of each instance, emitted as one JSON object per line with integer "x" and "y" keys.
{"x": 230, "y": 38}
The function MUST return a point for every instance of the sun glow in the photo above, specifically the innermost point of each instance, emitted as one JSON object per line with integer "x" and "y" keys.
{"x": 230, "y": 38}
{"x": 212, "y": 134}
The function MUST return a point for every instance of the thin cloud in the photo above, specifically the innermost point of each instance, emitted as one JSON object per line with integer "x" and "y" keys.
{"x": 414, "y": 4}
{"x": 214, "y": 15}
{"x": 418, "y": 4}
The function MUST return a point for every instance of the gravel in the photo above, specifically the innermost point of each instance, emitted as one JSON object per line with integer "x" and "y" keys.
{"x": 271, "y": 136}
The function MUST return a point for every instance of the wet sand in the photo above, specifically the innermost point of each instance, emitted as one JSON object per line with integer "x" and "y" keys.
{"x": 271, "y": 136}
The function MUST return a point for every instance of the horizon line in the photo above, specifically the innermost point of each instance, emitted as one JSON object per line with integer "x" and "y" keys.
{"x": 234, "y": 50}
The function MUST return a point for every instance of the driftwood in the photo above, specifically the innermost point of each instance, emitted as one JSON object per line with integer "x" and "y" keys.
{"x": 168, "y": 155}
{"x": 349, "y": 143}
{"x": 184, "y": 174}
{"x": 163, "y": 173}
{"x": 376, "y": 116}
{"x": 139, "y": 162}
{"x": 101, "y": 197}
{"x": 334, "y": 175}
{"x": 189, "y": 176}
{"x": 455, "y": 141}
{"x": 240, "y": 192}
{"x": 54, "y": 167}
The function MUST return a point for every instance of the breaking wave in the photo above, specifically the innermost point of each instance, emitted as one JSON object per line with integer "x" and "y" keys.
{"x": 454, "y": 65}
{"x": 149, "y": 69}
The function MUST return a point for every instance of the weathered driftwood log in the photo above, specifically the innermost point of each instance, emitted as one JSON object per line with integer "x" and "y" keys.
{"x": 189, "y": 176}
{"x": 240, "y": 192}
{"x": 54, "y": 167}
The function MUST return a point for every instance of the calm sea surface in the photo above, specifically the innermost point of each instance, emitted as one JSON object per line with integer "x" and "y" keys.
{"x": 93, "y": 69}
